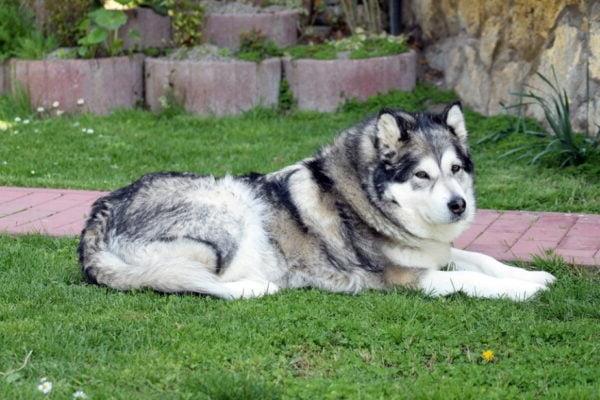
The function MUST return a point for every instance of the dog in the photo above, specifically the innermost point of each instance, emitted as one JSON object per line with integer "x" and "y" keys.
{"x": 376, "y": 209}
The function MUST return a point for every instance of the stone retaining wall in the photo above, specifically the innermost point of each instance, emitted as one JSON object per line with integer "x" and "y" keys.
{"x": 213, "y": 87}
{"x": 324, "y": 85}
{"x": 98, "y": 86}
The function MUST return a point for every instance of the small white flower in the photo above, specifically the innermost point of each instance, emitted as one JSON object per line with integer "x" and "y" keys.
{"x": 32, "y": 172}
{"x": 80, "y": 102}
{"x": 36, "y": 131}
{"x": 45, "y": 386}
{"x": 76, "y": 124}
{"x": 56, "y": 104}
{"x": 18, "y": 119}
{"x": 26, "y": 121}
{"x": 90, "y": 131}
{"x": 40, "y": 109}
{"x": 4, "y": 162}
{"x": 59, "y": 113}
{"x": 80, "y": 394}
{"x": 84, "y": 130}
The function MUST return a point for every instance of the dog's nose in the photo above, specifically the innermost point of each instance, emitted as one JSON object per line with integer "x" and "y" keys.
{"x": 457, "y": 205}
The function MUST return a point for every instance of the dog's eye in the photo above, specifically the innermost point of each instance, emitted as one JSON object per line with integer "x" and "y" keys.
{"x": 422, "y": 175}
{"x": 456, "y": 168}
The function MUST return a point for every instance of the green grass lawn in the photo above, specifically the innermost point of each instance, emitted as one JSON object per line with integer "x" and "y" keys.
{"x": 56, "y": 153}
{"x": 297, "y": 344}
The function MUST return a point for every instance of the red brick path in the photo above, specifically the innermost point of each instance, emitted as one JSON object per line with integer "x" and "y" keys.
{"x": 506, "y": 235}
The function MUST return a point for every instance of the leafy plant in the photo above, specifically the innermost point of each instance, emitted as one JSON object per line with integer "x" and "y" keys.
{"x": 287, "y": 102}
{"x": 65, "y": 17}
{"x": 15, "y": 23}
{"x": 562, "y": 141}
{"x": 35, "y": 46}
{"x": 186, "y": 20}
{"x": 102, "y": 33}
{"x": 254, "y": 46}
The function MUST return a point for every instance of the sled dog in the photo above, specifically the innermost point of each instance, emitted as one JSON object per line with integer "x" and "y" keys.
{"x": 378, "y": 208}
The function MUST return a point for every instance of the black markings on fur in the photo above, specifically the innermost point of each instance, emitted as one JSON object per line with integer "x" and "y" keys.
{"x": 398, "y": 172}
{"x": 320, "y": 177}
{"x": 278, "y": 191}
{"x": 352, "y": 227}
{"x": 214, "y": 247}
{"x": 252, "y": 177}
{"x": 464, "y": 158}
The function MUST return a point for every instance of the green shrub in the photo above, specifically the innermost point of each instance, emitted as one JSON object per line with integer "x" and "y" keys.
{"x": 65, "y": 18}
{"x": 102, "y": 33}
{"x": 254, "y": 46}
{"x": 186, "y": 20}
{"x": 561, "y": 141}
{"x": 15, "y": 22}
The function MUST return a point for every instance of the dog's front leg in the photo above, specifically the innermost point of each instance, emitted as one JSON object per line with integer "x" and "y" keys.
{"x": 470, "y": 261}
{"x": 475, "y": 284}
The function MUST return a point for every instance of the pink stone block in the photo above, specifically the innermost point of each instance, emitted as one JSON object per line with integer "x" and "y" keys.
{"x": 214, "y": 87}
{"x": 104, "y": 84}
{"x": 502, "y": 239}
{"x": 324, "y": 85}
{"x": 544, "y": 234}
{"x": 9, "y": 195}
{"x": 154, "y": 29}
{"x": 486, "y": 217}
{"x": 585, "y": 229}
{"x": 26, "y": 202}
{"x": 469, "y": 236}
{"x": 224, "y": 30}
{"x": 578, "y": 257}
{"x": 524, "y": 248}
{"x": 580, "y": 243}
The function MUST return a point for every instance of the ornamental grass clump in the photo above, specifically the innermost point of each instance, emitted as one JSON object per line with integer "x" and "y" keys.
{"x": 560, "y": 141}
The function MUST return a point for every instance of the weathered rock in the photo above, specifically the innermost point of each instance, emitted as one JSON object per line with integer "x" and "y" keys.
{"x": 154, "y": 30}
{"x": 213, "y": 87}
{"x": 489, "y": 50}
{"x": 224, "y": 30}
{"x": 103, "y": 84}
{"x": 323, "y": 85}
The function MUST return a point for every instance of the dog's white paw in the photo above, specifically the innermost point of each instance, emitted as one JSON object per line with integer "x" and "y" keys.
{"x": 539, "y": 277}
{"x": 248, "y": 289}
{"x": 520, "y": 290}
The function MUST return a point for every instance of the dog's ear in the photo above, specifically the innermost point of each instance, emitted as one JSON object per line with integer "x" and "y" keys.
{"x": 393, "y": 126}
{"x": 453, "y": 117}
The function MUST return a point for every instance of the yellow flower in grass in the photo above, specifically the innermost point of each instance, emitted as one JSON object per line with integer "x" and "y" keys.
{"x": 488, "y": 356}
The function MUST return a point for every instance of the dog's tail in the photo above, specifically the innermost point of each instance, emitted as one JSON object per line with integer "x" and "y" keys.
{"x": 101, "y": 266}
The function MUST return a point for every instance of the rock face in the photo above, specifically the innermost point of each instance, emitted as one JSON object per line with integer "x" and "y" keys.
{"x": 324, "y": 85}
{"x": 489, "y": 49}
{"x": 213, "y": 87}
{"x": 97, "y": 86}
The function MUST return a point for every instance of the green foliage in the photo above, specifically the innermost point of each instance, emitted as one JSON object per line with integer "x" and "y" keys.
{"x": 254, "y": 46}
{"x": 35, "y": 46}
{"x": 561, "y": 142}
{"x": 287, "y": 102}
{"x": 19, "y": 36}
{"x": 186, "y": 20}
{"x": 65, "y": 18}
{"x": 358, "y": 46}
{"x": 102, "y": 33}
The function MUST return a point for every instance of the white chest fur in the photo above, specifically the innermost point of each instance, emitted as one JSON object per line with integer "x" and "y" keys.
{"x": 433, "y": 255}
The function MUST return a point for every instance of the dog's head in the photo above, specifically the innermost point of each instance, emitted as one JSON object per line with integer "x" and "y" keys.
{"x": 423, "y": 175}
